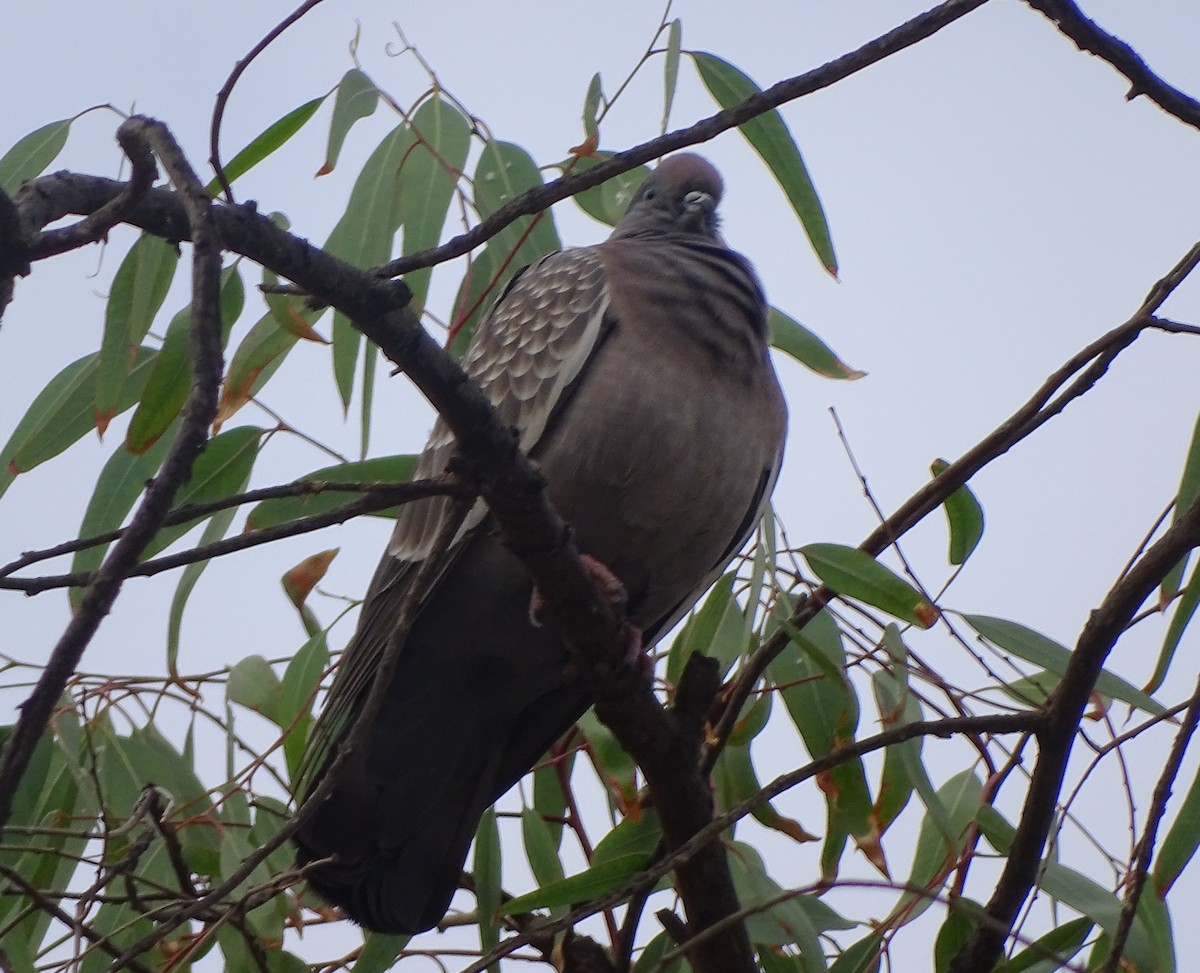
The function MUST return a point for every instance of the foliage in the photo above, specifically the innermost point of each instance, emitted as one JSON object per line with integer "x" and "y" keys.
{"x": 119, "y": 853}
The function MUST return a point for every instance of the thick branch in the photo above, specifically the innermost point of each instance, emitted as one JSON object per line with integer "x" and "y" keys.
{"x": 1092, "y": 38}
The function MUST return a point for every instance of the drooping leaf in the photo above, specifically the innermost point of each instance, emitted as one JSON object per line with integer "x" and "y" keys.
{"x": 214, "y": 530}
{"x": 796, "y": 341}
{"x": 964, "y": 516}
{"x": 32, "y": 154}
{"x": 379, "y": 952}
{"x": 1063, "y": 941}
{"x": 299, "y": 581}
{"x": 1035, "y": 647}
{"x": 356, "y": 99}
{"x": 487, "y": 880}
{"x": 138, "y": 291}
{"x": 504, "y": 171}
{"x": 61, "y": 414}
{"x": 170, "y": 378}
{"x": 860, "y": 957}
{"x": 1189, "y": 487}
{"x": 714, "y": 629}
{"x": 960, "y": 796}
{"x": 769, "y": 135}
{"x": 117, "y": 489}
{"x": 431, "y": 173}
{"x": 541, "y": 849}
{"x": 671, "y": 69}
{"x": 364, "y": 234}
{"x": 297, "y": 691}
{"x": 850, "y": 572}
{"x": 256, "y": 359}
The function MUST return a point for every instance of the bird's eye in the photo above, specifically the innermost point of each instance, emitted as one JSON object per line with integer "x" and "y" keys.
{"x": 649, "y": 194}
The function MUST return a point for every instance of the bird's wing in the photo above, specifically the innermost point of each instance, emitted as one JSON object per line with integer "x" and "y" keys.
{"x": 529, "y": 350}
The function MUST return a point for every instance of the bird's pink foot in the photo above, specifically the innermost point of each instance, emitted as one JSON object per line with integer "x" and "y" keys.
{"x": 614, "y": 593}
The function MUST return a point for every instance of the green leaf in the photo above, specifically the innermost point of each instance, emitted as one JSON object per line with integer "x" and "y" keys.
{"x": 487, "y": 880}
{"x": 549, "y": 801}
{"x": 1077, "y": 891}
{"x": 428, "y": 180}
{"x": 363, "y": 237}
{"x": 1035, "y": 647}
{"x": 822, "y": 704}
{"x": 170, "y": 378}
{"x": 379, "y": 952}
{"x": 1179, "y": 846}
{"x": 715, "y": 629}
{"x": 588, "y": 884}
{"x": 62, "y": 414}
{"x": 735, "y": 780}
{"x": 607, "y": 202}
{"x": 272, "y": 138}
{"x": 769, "y": 135}
{"x": 671, "y": 69}
{"x": 591, "y": 107}
{"x": 298, "y": 691}
{"x": 220, "y": 471}
{"x": 850, "y": 572}
{"x": 860, "y": 957}
{"x": 541, "y": 849}
{"x": 953, "y": 935}
{"x": 138, "y": 291}
{"x": 1189, "y": 488}
{"x": 1180, "y": 618}
{"x": 256, "y": 359}
{"x": 32, "y": 155}
{"x": 357, "y": 98}
{"x": 117, "y": 489}
{"x": 651, "y": 958}
{"x": 504, "y": 171}
{"x": 960, "y": 796}
{"x": 214, "y": 530}
{"x": 1064, "y": 941}
{"x": 964, "y": 516}
{"x": 381, "y": 469}
{"x": 796, "y": 341}
{"x": 253, "y": 684}
{"x": 629, "y": 839}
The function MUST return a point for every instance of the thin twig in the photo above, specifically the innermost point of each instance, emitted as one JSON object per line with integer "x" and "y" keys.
{"x": 1145, "y": 846}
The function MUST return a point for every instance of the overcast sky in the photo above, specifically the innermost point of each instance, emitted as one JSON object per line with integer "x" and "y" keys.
{"x": 995, "y": 203}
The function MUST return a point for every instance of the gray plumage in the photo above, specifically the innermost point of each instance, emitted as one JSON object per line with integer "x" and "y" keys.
{"x": 637, "y": 376}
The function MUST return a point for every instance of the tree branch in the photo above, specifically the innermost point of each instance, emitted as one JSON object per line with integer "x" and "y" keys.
{"x": 198, "y": 413}
{"x": 1056, "y": 736}
{"x": 1086, "y": 367}
{"x": 906, "y": 35}
{"x": 378, "y": 496}
{"x": 1140, "y": 870}
{"x": 1093, "y": 39}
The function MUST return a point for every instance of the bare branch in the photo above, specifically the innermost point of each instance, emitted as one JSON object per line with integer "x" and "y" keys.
{"x": 393, "y": 493}
{"x": 1092, "y": 38}
{"x": 1145, "y": 846}
{"x": 214, "y": 136}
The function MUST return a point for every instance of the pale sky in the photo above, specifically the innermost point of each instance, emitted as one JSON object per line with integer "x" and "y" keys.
{"x": 995, "y": 203}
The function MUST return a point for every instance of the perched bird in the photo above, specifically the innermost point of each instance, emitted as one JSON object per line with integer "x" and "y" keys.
{"x": 636, "y": 375}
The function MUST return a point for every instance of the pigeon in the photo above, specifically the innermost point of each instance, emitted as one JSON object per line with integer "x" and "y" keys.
{"x": 636, "y": 374}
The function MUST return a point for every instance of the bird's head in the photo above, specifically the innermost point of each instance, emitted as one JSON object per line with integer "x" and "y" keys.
{"x": 680, "y": 196}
